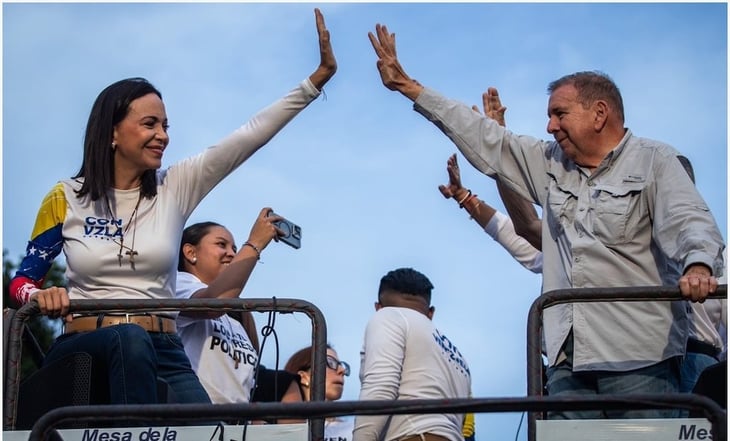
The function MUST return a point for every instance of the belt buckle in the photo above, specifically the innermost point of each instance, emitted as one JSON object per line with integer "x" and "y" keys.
{"x": 126, "y": 318}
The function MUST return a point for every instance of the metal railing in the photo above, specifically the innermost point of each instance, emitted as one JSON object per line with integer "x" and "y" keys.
{"x": 318, "y": 409}
{"x": 44, "y": 427}
{"x": 577, "y": 295}
{"x": 280, "y": 305}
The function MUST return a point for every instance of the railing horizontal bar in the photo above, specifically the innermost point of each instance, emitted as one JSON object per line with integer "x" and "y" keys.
{"x": 202, "y": 412}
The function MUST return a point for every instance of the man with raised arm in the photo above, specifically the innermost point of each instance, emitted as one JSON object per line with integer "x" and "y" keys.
{"x": 618, "y": 211}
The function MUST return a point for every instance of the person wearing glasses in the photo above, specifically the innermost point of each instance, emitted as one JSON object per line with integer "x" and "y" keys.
{"x": 300, "y": 363}
{"x": 405, "y": 357}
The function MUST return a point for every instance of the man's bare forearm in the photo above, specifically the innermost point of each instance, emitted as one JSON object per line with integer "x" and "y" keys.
{"x": 523, "y": 214}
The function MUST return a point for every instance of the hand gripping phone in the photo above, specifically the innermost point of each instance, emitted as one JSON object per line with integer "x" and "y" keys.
{"x": 292, "y": 232}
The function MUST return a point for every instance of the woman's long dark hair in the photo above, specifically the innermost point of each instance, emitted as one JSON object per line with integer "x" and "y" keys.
{"x": 110, "y": 107}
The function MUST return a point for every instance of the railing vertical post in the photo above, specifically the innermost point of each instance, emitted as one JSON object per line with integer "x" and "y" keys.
{"x": 534, "y": 361}
{"x": 319, "y": 368}
{"x": 12, "y": 366}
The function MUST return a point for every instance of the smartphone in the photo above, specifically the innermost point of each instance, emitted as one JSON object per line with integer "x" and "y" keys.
{"x": 292, "y": 232}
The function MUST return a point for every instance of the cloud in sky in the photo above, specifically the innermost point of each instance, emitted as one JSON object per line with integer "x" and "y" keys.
{"x": 359, "y": 170}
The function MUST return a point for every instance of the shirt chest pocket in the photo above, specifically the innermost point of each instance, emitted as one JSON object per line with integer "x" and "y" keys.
{"x": 616, "y": 212}
{"x": 562, "y": 210}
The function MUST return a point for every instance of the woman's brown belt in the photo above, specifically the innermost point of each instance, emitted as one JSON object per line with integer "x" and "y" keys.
{"x": 149, "y": 322}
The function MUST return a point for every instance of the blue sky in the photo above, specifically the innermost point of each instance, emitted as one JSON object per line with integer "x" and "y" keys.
{"x": 359, "y": 170}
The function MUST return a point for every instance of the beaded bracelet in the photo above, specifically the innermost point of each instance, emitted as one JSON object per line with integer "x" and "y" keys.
{"x": 255, "y": 248}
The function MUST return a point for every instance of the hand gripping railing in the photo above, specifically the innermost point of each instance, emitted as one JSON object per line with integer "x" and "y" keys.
{"x": 44, "y": 427}
{"x": 578, "y": 295}
{"x": 319, "y": 341}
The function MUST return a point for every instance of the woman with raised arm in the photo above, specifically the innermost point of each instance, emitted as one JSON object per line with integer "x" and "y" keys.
{"x": 119, "y": 221}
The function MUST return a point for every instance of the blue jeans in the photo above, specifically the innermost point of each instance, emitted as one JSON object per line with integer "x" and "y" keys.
{"x": 662, "y": 377}
{"x": 692, "y": 366}
{"x": 134, "y": 358}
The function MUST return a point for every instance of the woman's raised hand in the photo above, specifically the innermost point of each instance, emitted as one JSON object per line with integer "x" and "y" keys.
{"x": 327, "y": 63}
{"x": 263, "y": 230}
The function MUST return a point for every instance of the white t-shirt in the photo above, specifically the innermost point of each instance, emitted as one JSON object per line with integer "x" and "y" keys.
{"x": 219, "y": 349}
{"x": 404, "y": 357}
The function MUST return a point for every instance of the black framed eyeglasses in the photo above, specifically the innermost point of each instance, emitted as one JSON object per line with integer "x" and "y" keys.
{"x": 334, "y": 363}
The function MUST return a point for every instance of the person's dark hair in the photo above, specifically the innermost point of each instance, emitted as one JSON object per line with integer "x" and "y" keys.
{"x": 301, "y": 360}
{"x": 592, "y": 86}
{"x": 110, "y": 107}
{"x": 193, "y": 234}
{"x": 406, "y": 281}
